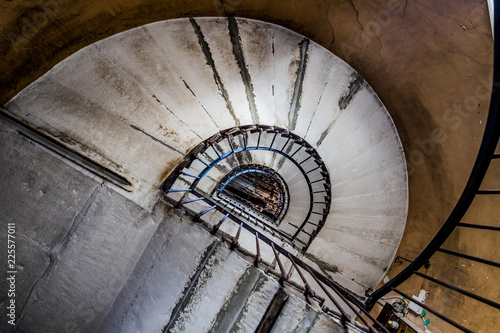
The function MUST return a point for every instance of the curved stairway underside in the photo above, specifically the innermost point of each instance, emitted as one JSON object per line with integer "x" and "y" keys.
{"x": 138, "y": 102}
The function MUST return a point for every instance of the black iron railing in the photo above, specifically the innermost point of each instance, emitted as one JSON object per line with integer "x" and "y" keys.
{"x": 282, "y": 145}
{"x": 288, "y": 268}
{"x": 307, "y": 273}
{"x": 472, "y": 189}
{"x": 338, "y": 296}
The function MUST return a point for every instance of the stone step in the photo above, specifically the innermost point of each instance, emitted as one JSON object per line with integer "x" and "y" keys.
{"x": 248, "y": 303}
{"x": 163, "y": 274}
{"x": 175, "y": 283}
{"x": 223, "y": 272}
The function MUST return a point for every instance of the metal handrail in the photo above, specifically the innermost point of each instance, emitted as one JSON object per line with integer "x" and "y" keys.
{"x": 329, "y": 287}
{"x": 326, "y": 284}
{"x": 250, "y": 168}
{"x": 228, "y": 134}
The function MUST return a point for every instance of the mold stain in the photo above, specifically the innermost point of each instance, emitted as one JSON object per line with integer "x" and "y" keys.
{"x": 354, "y": 87}
{"x": 240, "y": 60}
{"x": 210, "y": 62}
{"x": 299, "y": 80}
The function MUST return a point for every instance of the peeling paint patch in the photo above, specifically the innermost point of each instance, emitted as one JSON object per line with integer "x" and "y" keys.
{"x": 354, "y": 86}
{"x": 210, "y": 62}
{"x": 317, "y": 106}
{"x": 240, "y": 60}
{"x": 324, "y": 134}
{"x": 297, "y": 90}
{"x": 165, "y": 107}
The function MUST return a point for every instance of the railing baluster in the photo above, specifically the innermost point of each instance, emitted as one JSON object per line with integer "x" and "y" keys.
{"x": 458, "y": 290}
{"x": 283, "y": 276}
{"x": 491, "y": 191}
{"x": 202, "y": 161}
{"x": 217, "y": 226}
{"x": 307, "y": 159}
{"x": 312, "y": 223}
{"x": 308, "y": 234}
{"x": 189, "y": 175}
{"x": 215, "y": 150}
{"x": 180, "y": 203}
{"x": 344, "y": 316}
{"x": 258, "y": 258}
{"x": 308, "y": 291}
{"x": 301, "y": 146}
{"x": 234, "y": 243}
{"x": 319, "y": 180}
{"x": 354, "y": 305}
{"x": 448, "y": 320}
{"x": 244, "y": 138}
{"x": 274, "y": 137}
{"x": 199, "y": 215}
{"x": 258, "y": 141}
{"x": 230, "y": 143}
{"x": 465, "y": 256}
{"x": 478, "y": 226}
{"x": 312, "y": 170}
{"x": 289, "y": 137}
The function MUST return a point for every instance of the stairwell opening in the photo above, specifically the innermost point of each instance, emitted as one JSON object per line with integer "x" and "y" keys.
{"x": 267, "y": 176}
{"x": 257, "y": 188}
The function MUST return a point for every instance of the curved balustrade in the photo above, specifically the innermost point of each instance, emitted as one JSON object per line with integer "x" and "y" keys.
{"x": 287, "y": 263}
{"x": 192, "y": 185}
{"x": 307, "y": 176}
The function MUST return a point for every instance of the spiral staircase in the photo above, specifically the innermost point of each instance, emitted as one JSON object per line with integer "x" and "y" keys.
{"x": 159, "y": 120}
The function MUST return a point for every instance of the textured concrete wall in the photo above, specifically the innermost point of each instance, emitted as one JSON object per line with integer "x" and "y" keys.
{"x": 77, "y": 239}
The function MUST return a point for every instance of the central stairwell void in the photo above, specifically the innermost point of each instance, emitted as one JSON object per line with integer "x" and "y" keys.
{"x": 289, "y": 167}
{"x": 258, "y": 188}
